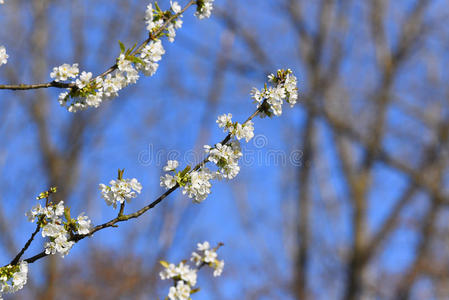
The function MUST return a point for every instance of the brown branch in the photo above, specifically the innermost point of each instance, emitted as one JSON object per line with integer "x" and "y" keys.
{"x": 17, "y": 87}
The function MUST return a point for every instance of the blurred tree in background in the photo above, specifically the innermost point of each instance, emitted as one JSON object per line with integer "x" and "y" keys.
{"x": 348, "y": 198}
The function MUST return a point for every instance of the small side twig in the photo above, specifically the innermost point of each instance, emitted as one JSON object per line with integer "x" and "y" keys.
{"x": 28, "y": 243}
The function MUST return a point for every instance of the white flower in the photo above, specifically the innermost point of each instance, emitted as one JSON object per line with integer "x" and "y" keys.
{"x": 245, "y": 131}
{"x": 171, "y": 33}
{"x": 34, "y": 212}
{"x": 277, "y": 93}
{"x": 132, "y": 75}
{"x": 19, "y": 278}
{"x": 64, "y": 72}
{"x": 149, "y": 17}
{"x": 181, "y": 271}
{"x": 175, "y": 6}
{"x": 126, "y": 66}
{"x": 171, "y": 165}
{"x": 53, "y": 230}
{"x": 52, "y": 212}
{"x": 59, "y": 245}
{"x": 196, "y": 258}
{"x": 219, "y": 265}
{"x": 204, "y": 246}
{"x": 154, "y": 19}
{"x": 180, "y": 292}
{"x": 169, "y": 272}
{"x": 257, "y": 95}
{"x": 186, "y": 273}
{"x": 3, "y": 55}
{"x": 153, "y": 51}
{"x": 151, "y": 54}
{"x": 238, "y": 130}
{"x": 63, "y": 97}
{"x": 135, "y": 185}
{"x": 111, "y": 86}
{"x": 120, "y": 190}
{"x": 13, "y": 278}
{"x": 59, "y": 209}
{"x": 94, "y": 99}
{"x": 205, "y": 10}
{"x": 59, "y": 242}
{"x": 198, "y": 186}
{"x": 210, "y": 256}
{"x": 168, "y": 181}
{"x": 149, "y": 68}
{"x": 226, "y": 158}
{"x": 224, "y": 121}
{"x": 84, "y": 79}
{"x": 178, "y": 22}
{"x": 84, "y": 224}
{"x": 291, "y": 89}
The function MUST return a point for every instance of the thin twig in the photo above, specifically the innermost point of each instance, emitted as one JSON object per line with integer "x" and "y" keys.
{"x": 28, "y": 243}
{"x": 16, "y": 87}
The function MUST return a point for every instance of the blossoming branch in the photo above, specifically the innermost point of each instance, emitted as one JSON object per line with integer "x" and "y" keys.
{"x": 84, "y": 90}
{"x": 63, "y": 231}
{"x": 185, "y": 277}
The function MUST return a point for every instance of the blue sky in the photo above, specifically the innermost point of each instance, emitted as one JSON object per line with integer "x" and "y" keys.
{"x": 162, "y": 115}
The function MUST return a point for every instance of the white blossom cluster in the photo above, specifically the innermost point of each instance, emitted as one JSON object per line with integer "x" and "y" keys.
{"x": 204, "y": 9}
{"x": 2, "y": 1}
{"x": 168, "y": 181}
{"x": 195, "y": 184}
{"x": 120, "y": 190}
{"x": 240, "y": 131}
{"x": 185, "y": 277}
{"x": 180, "y": 272}
{"x": 226, "y": 158}
{"x": 284, "y": 88}
{"x": 91, "y": 92}
{"x": 155, "y": 18}
{"x": 207, "y": 255}
{"x": 56, "y": 228}
{"x": 13, "y": 278}
{"x": 198, "y": 185}
{"x": 150, "y": 55}
{"x": 3, "y": 55}
{"x": 181, "y": 291}
{"x": 64, "y": 72}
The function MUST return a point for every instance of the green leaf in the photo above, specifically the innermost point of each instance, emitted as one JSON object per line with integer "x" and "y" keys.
{"x": 164, "y": 263}
{"x": 185, "y": 171}
{"x": 120, "y": 174}
{"x": 194, "y": 291}
{"x": 122, "y": 47}
{"x": 157, "y": 7}
{"x": 132, "y": 48}
{"x": 67, "y": 214}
